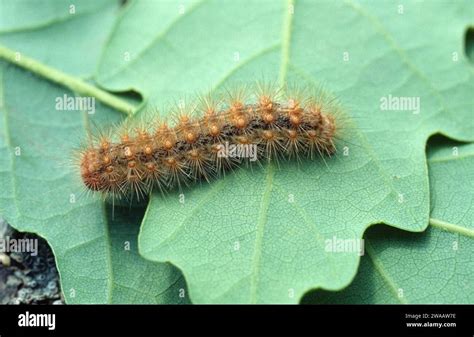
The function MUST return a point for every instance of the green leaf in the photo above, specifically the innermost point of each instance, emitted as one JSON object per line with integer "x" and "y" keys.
{"x": 259, "y": 236}
{"x": 436, "y": 266}
{"x": 97, "y": 257}
{"x": 135, "y": 280}
{"x": 67, "y": 35}
{"x": 256, "y": 236}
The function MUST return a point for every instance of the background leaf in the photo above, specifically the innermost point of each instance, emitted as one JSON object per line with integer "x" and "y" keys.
{"x": 40, "y": 192}
{"x": 68, "y": 38}
{"x": 256, "y": 236}
{"x": 436, "y": 266}
{"x": 280, "y": 243}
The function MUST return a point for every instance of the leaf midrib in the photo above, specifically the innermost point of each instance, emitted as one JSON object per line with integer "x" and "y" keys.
{"x": 402, "y": 55}
{"x": 378, "y": 265}
{"x": 453, "y": 228}
{"x": 265, "y": 202}
{"x": 284, "y": 66}
{"x": 262, "y": 221}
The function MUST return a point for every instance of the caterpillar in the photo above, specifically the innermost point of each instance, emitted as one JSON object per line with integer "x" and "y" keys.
{"x": 257, "y": 123}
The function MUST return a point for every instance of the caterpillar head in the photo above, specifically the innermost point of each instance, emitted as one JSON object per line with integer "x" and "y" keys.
{"x": 91, "y": 171}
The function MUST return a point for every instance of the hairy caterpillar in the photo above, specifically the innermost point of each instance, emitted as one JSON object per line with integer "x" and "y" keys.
{"x": 221, "y": 131}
